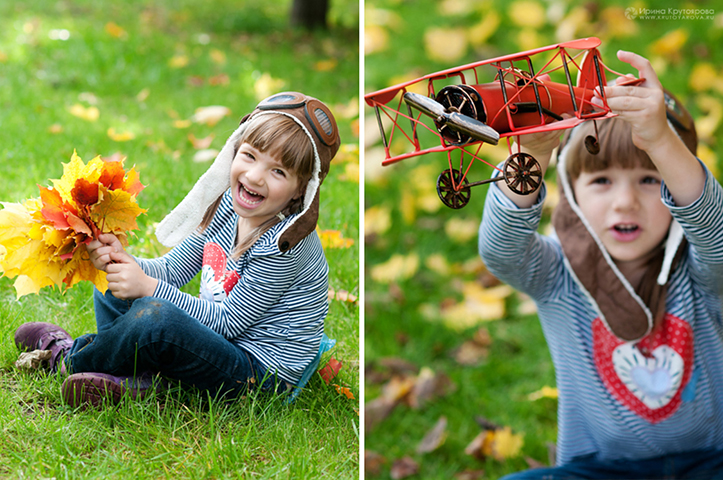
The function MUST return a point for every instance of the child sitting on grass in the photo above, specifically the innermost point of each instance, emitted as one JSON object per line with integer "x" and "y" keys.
{"x": 259, "y": 319}
{"x": 628, "y": 290}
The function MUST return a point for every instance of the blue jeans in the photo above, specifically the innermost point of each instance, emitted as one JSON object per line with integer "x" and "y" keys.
{"x": 151, "y": 334}
{"x": 693, "y": 465}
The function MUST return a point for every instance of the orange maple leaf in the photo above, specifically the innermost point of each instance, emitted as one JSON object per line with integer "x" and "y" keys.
{"x": 112, "y": 176}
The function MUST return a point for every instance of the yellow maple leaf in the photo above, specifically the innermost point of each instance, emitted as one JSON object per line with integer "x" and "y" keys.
{"x": 74, "y": 170}
{"x": 116, "y": 211}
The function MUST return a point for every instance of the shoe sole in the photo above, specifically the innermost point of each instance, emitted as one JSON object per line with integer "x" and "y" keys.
{"x": 83, "y": 389}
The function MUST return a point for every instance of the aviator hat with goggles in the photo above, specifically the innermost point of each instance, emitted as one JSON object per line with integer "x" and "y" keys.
{"x": 314, "y": 118}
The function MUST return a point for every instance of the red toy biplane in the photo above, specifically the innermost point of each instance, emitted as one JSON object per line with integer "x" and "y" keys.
{"x": 466, "y": 113}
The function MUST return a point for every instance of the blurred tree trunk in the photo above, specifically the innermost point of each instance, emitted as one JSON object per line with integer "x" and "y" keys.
{"x": 309, "y": 13}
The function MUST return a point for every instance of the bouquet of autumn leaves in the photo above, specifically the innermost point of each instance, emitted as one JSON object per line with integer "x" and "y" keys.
{"x": 43, "y": 240}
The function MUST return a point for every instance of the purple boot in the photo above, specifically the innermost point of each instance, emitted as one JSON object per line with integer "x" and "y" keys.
{"x": 44, "y": 336}
{"x": 93, "y": 388}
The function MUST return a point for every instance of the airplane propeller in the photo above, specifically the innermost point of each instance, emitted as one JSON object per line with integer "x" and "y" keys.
{"x": 456, "y": 121}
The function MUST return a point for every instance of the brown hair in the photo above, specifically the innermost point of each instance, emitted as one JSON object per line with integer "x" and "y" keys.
{"x": 616, "y": 149}
{"x": 282, "y": 138}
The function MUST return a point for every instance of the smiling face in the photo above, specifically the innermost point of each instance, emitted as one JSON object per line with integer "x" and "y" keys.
{"x": 261, "y": 185}
{"x": 624, "y": 209}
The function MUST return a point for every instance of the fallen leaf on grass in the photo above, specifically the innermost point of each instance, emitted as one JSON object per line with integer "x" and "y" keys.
{"x": 178, "y": 61}
{"x": 434, "y": 438}
{"x": 217, "y": 56}
{"x": 445, "y": 44}
{"x": 334, "y": 239}
{"x": 532, "y": 463}
{"x": 479, "y": 33}
{"x": 398, "y": 267}
{"x": 330, "y": 370}
{"x": 375, "y": 411}
{"x": 473, "y": 352}
{"x": 326, "y": 65}
{"x": 427, "y": 386}
{"x": 115, "y": 31}
{"x": 670, "y": 44}
{"x": 376, "y": 39}
{"x": 205, "y": 155}
{"x": 527, "y": 14}
{"x": 470, "y": 475}
{"x": 89, "y": 114}
{"x": 266, "y": 85}
{"x": 32, "y": 360}
{"x": 403, "y": 468}
{"x": 377, "y": 220}
{"x": 142, "y": 96}
{"x": 479, "y": 305}
{"x": 544, "y": 392}
{"x": 343, "y": 391}
{"x": 373, "y": 462}
{"x": 200, "y": 143}
{"x": 210, "y": 115}
{"x": 461, "y": 230}
{"x": 120, "y": 136}
{"x": 342, "y": 296}
{"x": 220, "y": 79}
{"x": 500, "y": 444}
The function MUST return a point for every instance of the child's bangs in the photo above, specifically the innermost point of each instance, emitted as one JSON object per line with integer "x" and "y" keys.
{"x": 616, "y": 149}
{"x": 282, "y": 138}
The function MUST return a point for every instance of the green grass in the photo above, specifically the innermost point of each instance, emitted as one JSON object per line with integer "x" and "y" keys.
{"x": 397, "y": 321}
{"x": 172, "y": 435}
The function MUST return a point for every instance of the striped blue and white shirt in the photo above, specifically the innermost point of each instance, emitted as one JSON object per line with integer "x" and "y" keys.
{"x": 615, "y": 402}
{"x": 269, "y": 303}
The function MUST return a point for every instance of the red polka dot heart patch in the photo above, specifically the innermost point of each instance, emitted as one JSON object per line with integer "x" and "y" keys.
{"x": 216, "y": 281}
{"x": 647, "y": 376}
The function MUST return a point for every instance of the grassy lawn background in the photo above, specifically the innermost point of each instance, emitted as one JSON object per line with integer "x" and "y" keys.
{"x": 146, "y": 67}
{"x": 420, "y": 255}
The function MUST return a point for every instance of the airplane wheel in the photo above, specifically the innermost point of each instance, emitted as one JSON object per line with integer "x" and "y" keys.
{"x": 592, "y": 145}
{"x": 523, "y": 173}
{"x": 452, "y": 198}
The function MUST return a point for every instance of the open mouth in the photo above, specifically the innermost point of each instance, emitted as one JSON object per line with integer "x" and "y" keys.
{"x": 626, "y": 228}
{"x": 249, "y": 196}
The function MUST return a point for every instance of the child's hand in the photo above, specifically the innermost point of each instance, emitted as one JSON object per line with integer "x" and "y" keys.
{"x": 100, "y": 249}
{"x": 643, "y": 107}
{"x": 540, "y": 145}
{"x": 126, "y": 280}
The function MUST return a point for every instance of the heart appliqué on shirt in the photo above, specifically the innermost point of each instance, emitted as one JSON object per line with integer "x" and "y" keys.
{"x": 648, "y": 376}
{"x": 216, "y": 281}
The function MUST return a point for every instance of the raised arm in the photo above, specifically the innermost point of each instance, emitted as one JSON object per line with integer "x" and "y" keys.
{"x": 643, "y": 107}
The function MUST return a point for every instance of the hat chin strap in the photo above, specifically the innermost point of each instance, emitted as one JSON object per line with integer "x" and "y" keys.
{"x": 187, "y": 216}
